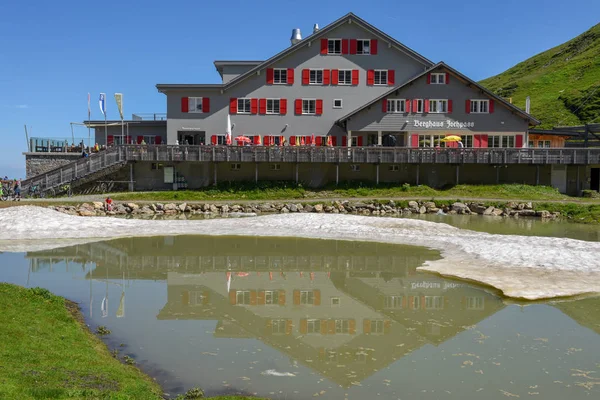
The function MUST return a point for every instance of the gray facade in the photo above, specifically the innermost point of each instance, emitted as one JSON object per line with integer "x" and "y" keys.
{"x": 304, "y": 55}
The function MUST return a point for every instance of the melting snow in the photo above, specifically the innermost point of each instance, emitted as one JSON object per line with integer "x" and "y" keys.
{"x": 520, "y": 266}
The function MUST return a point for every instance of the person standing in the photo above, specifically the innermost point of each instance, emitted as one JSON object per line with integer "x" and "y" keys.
{"x": 17, "y": 189}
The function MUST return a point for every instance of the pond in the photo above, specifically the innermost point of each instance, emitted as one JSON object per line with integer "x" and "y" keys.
{"x": 302, "y": 318}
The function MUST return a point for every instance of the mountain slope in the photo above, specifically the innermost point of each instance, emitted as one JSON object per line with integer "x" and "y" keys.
{"x": 563, "y": 82}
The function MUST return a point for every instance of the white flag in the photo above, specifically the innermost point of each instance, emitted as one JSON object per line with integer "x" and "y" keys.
{"x": 102, "y": 103}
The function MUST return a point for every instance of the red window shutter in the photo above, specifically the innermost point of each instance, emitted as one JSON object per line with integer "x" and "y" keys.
{"x": 158, "y": 140}
{"x": 318, "y": 140}
{"x": 345, "y": 49}
{"x": 344, "y": 141}
{"x": 270, "y": 76}
{"x": 319, "y": 107}
{"x": 262, "y": 106}
{"x": 360, "y": 141}
{"x": 110, "y": 139}
{"x": 428, "y": 79}
{"x": 355, "y": 77}
{"x": 427, "y": 105}
{"x": 205, "y": 104}
{"x": 374, "y": 46}
{"x": 414, "y": 140}
{"x": 293, "y": 143}
{"x": 384, "y": 105}
{"x": 476, "y": 141}
{"x": 484, "y": 140}
{"x": 325, "y": 77}
{"x": 298, "y": 106}
{"x": 447, "y": 78}
{"x": 303, "y": 325}
{"x": 352, "y": 326}
{"x": 335, "y": 74}
{"x": 323, "y": 46}
{"x": 253, "y": 106}
{"x": 305, "y": 76}
{"x": 371, "y": 77}
{"x": 290, "y": 76}
{"x": 450, "y": 106}
{"x": 407, "y": 106}
{"x": 519, "y": 141}
{"x": 184, "y": 104}
{"x": 366, "y": 326}
{"x": 233, "y": 105}
{"x": 415, "y": 106}
{"x": 261, "y": 297}
{"x": 317, "y": 296}
{"x": 282, "y": 106}
{"x": 491, "y": 106}
{"x": 334, "y": 140}
{"x": 391, "y": 76}
{"x": 267, "y": 140}
{"x": 213, "y": 139}
{"x": 352, "y": 46}
{"x": 232, "y": 296}
{"x": 468, "y": 106}
{"x": 139, "y": 139}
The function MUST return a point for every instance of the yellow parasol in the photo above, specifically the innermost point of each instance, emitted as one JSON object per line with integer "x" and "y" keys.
{"x": 452, "y": 138}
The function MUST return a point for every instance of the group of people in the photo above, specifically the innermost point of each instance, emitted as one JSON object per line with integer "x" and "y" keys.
{"x": 8, "y": 184}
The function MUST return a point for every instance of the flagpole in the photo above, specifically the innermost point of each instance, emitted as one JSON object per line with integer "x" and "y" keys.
{"x": 89, "y": 129}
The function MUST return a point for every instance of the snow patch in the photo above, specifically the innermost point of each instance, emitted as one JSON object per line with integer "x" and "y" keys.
{"x": 520, "y": 266}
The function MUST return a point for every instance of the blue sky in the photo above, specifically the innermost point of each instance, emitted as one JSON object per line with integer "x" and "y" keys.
{"x": 53, "y": 53}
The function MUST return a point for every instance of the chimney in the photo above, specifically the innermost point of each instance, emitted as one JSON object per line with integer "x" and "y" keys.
{"x": 527, "y": 104}
{"x": 315, "y": 28}
{"x": 296, "y": 36}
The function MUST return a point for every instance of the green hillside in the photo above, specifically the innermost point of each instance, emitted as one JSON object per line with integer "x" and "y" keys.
{"x": 563, "y": 82}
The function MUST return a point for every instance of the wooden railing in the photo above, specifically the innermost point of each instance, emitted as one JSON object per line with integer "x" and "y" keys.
{"x": 307, "y": 154}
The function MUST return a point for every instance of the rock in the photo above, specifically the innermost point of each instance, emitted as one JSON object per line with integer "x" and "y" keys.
{"x": 188, "y": 209}
{"x": 206, "y": 207}
{"x": 543, "y": 214}
{"x": 366, "y": 211}
{"x": 512, "y": 204}
{"x": 478, "y": 208}
{"x": 335, "y": 211}
{"x": 422, "y": 210}
{"x": 497, "y": 212}
{"x": 329, "y": 209}
{"x": 213, "y": 209}
{"x": 153, "y": 207}
{"x": 460, "y": 208}
{"x": 526, "y": 213}
{"x": 433, "y": 210}
{"x": 98, "y": 205}
{"x": 308, "y": 208}
{"x": 413, "y": 205}
{"x": 318, "y": 208}
{"x": 146, "y": 210}
{"x": 429, "y": 204}
{"x": 86, "y": 206}
{"x": 225, "y": 209}
{"x": 521, "y": 206}
{"x": 293, "y": 208}
{"x": 284, "y": 210}
{"x": 376, "y": 212}
{"x": 529, "y": 206}
{"x": 489, "y": 210}
{"x": 392, "y": 203}
{"x": 452, "y": 212}
{"x": 84, "y": 212}
{"x": 300, "y": 207}
{"x": 170, "y": 207}
{"x": 182, "y": 207}
{"x": 132, "y": 206}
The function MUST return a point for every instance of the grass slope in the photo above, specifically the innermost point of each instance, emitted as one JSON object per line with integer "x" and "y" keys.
{"x": 563, "y": 82}
{"x": 47, "y": 352}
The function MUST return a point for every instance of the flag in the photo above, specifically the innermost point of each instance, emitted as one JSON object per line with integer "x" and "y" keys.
{"x": 119, "y": 100}
{"x": 121, "y": 310}
{"x": 102, "y": 103}
{"x": 104, "y": 307}
{"x": 89, "y": 108}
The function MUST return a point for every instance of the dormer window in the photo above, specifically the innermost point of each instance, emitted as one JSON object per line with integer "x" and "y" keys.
{"x": 438, "y": 78}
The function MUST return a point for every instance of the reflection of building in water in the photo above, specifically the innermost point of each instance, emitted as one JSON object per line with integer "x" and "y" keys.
{"x": 344, "y": 309}
{"x": 584, "y": 311}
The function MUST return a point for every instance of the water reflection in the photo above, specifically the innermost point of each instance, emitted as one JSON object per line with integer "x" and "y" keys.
{"x": 231, "y": 313}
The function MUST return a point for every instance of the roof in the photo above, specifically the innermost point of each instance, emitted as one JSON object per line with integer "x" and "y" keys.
{"x": 350, "y": 17}
{"x": 125, "y": 122}
{"x": 219, "y": 64}
{"x": 165, "y": 86}
{"x": 553, "y": 132}
{"x": 455, "y": 73}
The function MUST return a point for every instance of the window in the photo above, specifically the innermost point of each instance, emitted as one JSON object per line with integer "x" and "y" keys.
{"x": 271, "y": 297}
{"x": 236, "y": 167}
{"x": 335, "y": 301}
{"x": 278, "y": 325}
{"x": 438, "y": 79}
{"x": 381, "y": 76}
{"x": 273, "y": 106}
{"x": 396, "y": 105}
{"x": 157, "y": 166}
{"x": 275, "y": 167}
{"x": 334, "y": 46}
{"x": 313, "y": 326}
{"x": 543, "y": 143}
{"x": 377, "y": 326}
{"x": 337, "y": 103}
{"x": 242, "y": 296}
{"x": 279, "y": 76}
{"x": 196, "y": 297}
{"x": 438, "y": 106}
{"x": 342, "y": 326}
{"x": 354, "y": 141}
{"x": 315, "y": 77}
{"x": 309, "y": 106}
{"x": 416, "y": 303}
{"x": 150, "y": 139}
{"x": 363, "y": 46}
{"x": 508, "y": 141}
{"x": 394, "y": 168}
{"x": 480, "y": 106}
{"x": 221, "y": 139}
{"x": 194, "y": 104}
{"x": 243, "y": 106}
{"x": 393, "y": 301}
{"x": 467, "y": 140}
{"x": 345, "y": 77}
{"x": 307, "y": 297}
{"x": 419, "y": 106}
{"x": 434, "y": 302}
{"x": 475, "y": 303}
{"x": 355, "y": 167}
{"x": 494, "y": 141}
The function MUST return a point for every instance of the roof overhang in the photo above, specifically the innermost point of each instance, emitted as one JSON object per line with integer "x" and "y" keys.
{"x": 219, "y": 64}
{"x": 548, "y": 132}
{"x": 164, "y": 87}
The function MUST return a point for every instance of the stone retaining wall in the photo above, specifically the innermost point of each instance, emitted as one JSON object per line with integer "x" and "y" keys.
{"x": 38, "y": 163}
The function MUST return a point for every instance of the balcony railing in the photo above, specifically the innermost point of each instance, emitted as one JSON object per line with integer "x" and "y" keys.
{"x": 149, "y": 117}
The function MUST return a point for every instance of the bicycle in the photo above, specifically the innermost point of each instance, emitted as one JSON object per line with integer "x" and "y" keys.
{"x": 35, "y": 192}
{"x": 66, "y": 189}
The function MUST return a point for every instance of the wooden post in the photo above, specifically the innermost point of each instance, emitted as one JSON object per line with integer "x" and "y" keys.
{"x": 215, "y": 167}
{"x": 379, "y": 138}
{"x": 377, "y": 180}
{"x": 418, "y": 172}
{"x": 537, "y": 174}
{"x": 256, "y": 172}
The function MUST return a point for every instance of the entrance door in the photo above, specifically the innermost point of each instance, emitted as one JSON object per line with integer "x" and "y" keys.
{"x": 191, "y": 138}
{"x": 595, "y": 181}
{"x": 559, "y": 177}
